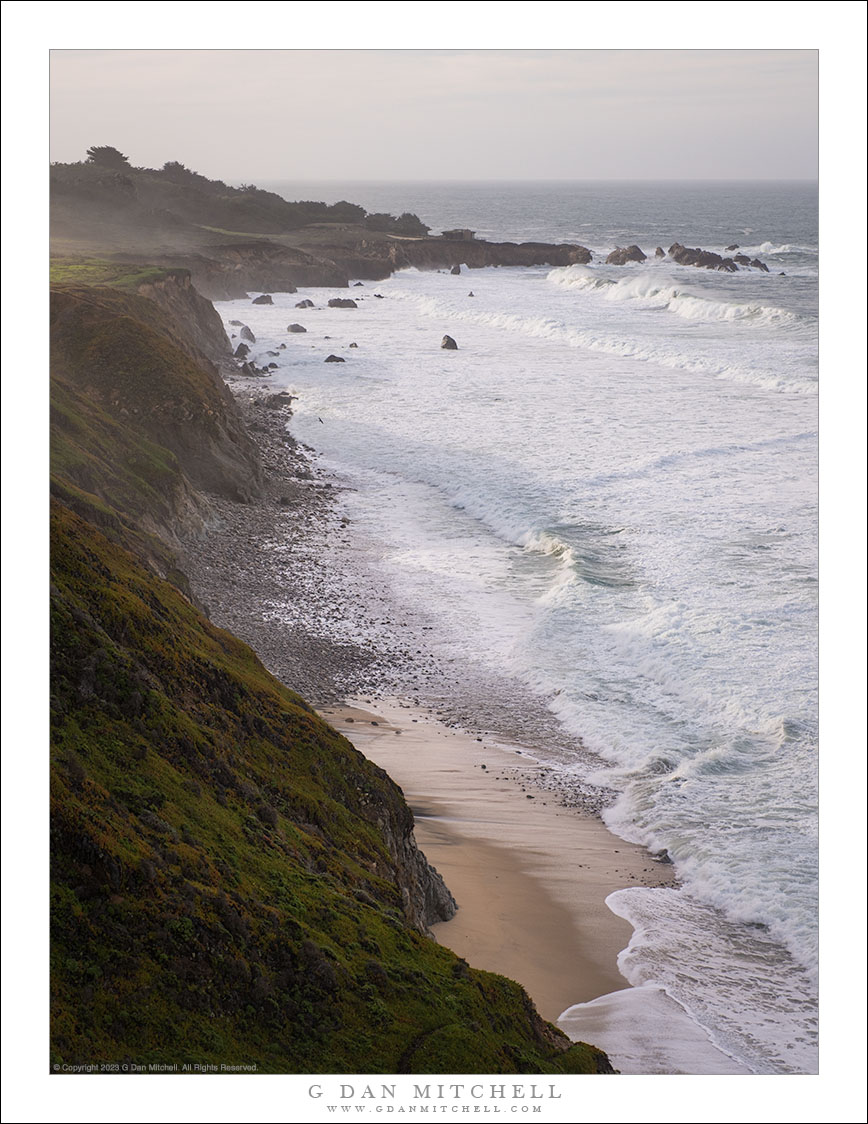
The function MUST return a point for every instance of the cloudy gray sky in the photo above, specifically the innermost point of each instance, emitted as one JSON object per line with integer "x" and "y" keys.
{"x": 443, "y": 114}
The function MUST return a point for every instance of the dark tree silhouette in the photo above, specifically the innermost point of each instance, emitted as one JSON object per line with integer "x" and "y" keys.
{"x": 411, "y": 224}
{"x": 107, "y": 156}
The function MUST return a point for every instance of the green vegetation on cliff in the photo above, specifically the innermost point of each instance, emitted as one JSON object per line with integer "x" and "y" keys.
{"x": 99, "y": 271}
{"x": 231, "y": 880}
{"x": 223, "y": 889}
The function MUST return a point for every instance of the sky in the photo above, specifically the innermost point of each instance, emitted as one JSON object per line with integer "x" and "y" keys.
{"x": 258, "y": 115}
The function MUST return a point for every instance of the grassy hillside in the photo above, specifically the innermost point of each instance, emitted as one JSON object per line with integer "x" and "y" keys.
{"x": 231, "y": 880}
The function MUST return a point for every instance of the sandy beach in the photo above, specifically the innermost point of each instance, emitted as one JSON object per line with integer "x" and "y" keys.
{"x": 530, "y": 876}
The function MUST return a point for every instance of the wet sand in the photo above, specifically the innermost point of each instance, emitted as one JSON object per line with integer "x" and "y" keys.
{"x": 530, "y": 876}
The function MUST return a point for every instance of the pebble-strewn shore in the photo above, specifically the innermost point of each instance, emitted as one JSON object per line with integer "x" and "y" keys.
{"x": 260, "y": 568}
{"x": 278, "y": 572}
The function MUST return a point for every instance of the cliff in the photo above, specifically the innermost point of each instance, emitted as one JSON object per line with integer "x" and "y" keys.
{"x": 238, "y": 240}
{"x": 147, "y": 360}
{"x": 231, "y": 880}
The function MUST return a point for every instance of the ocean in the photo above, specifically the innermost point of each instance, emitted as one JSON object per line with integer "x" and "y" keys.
{"x": 593, "y": 527}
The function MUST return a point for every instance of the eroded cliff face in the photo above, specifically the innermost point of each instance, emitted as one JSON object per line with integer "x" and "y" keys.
{"x": 330, "y": 256}
{"x": 354, "y": 253}
{"x": 231, "y": 878}
{"x": 144, "y": 361}
{"x": 201, "y": 330}
{"x": 424, "y": 895}
{"x": 231, "y": 271}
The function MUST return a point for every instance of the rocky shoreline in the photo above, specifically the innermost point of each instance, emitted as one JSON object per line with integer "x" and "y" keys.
{"x": 256, "y": 562}
{"x": 278, "y": 572}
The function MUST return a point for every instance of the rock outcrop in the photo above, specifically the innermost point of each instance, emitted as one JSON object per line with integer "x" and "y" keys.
{"x": 621, "y": 255}
{"x": 194, "y": 323}
{"x": 708, "y": 259}
{"x": 705, "y": 259}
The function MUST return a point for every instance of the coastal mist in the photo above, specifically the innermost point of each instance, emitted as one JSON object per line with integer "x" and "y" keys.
{"x": 592, "y": 529}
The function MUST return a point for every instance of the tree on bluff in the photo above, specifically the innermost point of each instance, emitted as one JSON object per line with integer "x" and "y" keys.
{"x": 411, "y": 224}
{"x": 407, "y": 224}
{"x": 107, "y": 157}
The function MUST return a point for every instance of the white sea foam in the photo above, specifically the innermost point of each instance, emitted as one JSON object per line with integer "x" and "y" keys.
{"x": 598, "y": 494}
{"x": 648, "y": 289}
{"x": 763, "y": 1010}
{"x": 645, "y": 1031}
{"x": 716, "y": 360}
{"x": 777, "y": 249}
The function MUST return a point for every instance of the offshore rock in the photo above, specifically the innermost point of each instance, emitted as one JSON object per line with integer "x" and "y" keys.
{"x": 704, "y": 259}
{"x": 296, "y": 328}
{"x": 455, "y": 270}
{"x": 621, "y": 255}
{"x": 342, "y": 302}
{"x": 334, "y": 359}
{"x": 305, "y": 304}
{"x": 242, "y": 351}
{"x": 448, "y": 344}
{"x": 246, "y": 334}
{"x": 264, "y": 299}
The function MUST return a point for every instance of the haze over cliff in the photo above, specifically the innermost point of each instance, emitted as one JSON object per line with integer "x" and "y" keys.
{"x": 239, "y": 239}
